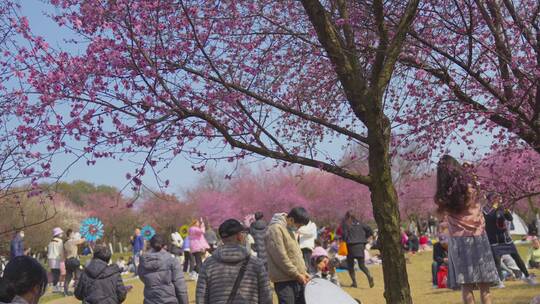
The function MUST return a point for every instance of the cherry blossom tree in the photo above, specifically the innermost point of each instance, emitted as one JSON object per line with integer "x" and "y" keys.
{"x": 267, "y": 78}
{"x": 476, "y": 70}
{"x": 513, "y": 174}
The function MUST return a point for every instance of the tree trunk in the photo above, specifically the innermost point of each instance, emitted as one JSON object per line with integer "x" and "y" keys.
{"x": 386, "y": 211}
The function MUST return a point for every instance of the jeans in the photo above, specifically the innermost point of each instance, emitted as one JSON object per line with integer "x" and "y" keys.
{"x": 136, "y": 261}
{"x": 55, "y": 276}
{"x": 289, "y": 292}
{"x": 188, "y": 261}
{"x": 71, "y": 274}
{"x": 306, "y": 253}
{"x": 434, "y": 270}
{"x": 198, "y": 261}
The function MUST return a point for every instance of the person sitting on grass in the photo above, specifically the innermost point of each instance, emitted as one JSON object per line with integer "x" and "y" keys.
{"x": 324, "y": 268}
{"x": 534, "y": 255}
{"x": 440, "y": 257}
{"x": 101, "y": 282}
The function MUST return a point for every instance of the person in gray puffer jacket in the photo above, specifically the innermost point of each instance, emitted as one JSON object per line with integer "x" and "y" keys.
{"x": 101, "y": 283}
{"x": 257, "y": 231}
{"x": 162, "y": 276}
{"x": 220, "y": 271}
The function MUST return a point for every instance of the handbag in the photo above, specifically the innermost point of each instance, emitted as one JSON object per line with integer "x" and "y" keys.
{"x": 342, "y": 249}
{"x": 238, "y": 280}
{"x": 442, "y": 277}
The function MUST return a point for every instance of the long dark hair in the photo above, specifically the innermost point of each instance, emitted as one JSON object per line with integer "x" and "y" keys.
{"x": 453, "y": 181}
{"x": 21, "y": 275}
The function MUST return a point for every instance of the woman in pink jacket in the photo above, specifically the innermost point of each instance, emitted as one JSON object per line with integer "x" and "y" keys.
{"x": 197, "y": 243}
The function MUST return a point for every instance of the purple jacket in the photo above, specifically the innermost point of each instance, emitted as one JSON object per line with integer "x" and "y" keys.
{"x": 197, "y": 242}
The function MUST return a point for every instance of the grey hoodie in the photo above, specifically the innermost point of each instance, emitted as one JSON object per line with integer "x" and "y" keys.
{"x": 219, "y": 273}
{"x": 163, "y": 279}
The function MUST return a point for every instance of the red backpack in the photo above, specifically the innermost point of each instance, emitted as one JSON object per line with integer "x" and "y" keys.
{"x": 442, "y": 276}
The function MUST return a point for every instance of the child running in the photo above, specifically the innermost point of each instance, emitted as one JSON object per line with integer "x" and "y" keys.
{"x": 470, "y": 260}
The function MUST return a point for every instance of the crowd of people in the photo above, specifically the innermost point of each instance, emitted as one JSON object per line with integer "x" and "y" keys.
{"x": 243, "y": 261}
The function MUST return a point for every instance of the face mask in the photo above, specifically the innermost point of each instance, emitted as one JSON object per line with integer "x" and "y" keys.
{"x": 293, "y": 229}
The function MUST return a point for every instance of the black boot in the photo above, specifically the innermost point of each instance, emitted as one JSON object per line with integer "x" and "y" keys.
{"x": 353, "y": 278}
{"x": 371, "y": 283}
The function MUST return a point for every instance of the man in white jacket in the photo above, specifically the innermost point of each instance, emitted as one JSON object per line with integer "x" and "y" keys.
{"x": 306, "y": 237}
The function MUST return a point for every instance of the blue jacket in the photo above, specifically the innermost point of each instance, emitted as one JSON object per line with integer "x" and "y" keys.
{"x": 17, "y": 247}
{"x": 138, "y": 244}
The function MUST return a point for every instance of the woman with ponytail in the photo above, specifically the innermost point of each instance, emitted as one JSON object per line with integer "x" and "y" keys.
{"x": 24, "y": 281}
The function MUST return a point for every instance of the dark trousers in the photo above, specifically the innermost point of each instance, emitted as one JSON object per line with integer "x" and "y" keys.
{"x": 519, "y": 262}
{"x": 55, "y": 276}
{"x": 188, "y": 261}
{"x": 361, "y": 265}
{"x": 306, "y": 253}
{"x": 290, "y": 292}
{"x": 198, "y": 261}
{"x": 71, "y": 274}
{"x": 434, "y": 270}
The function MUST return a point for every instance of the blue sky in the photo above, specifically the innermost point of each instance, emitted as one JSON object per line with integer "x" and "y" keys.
{"x": 112, "y": 172}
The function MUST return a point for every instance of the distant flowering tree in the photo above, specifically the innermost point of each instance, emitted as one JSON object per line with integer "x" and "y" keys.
{"x": 268, "y": 78}
{"x": 513, "y": 174}
{"x": 326, "y": 197}
{"x": 476, "y": 70}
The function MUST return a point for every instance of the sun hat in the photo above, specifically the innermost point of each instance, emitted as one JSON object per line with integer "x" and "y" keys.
{"x": 57, "y": 231}
{"x": 318, "y": 251}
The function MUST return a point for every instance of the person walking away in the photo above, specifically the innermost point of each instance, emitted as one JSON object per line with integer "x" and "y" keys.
{"x": 100, "y": 282}
{"x": 440, "y": 258}
{"x": 197, "y": 243}
{"x": 286, "y": 267}
{"x": 211, "y": 238}
{"x": 533, "y": 258}
{"x": 432, "y": 225}
{"x": 162, "y": 275}
{"x": 17, "y": 245}
{"x": 470, "y": 262}
{"x": 356, "y": 235}
{"x": 137, "y": 245}
{"x": 231, "y": 274}
{"x": 177, "y": 243}
{"x": 55, "y": 256}
{"x": 73, "y": 264}
{"x": 24, "y": 281}
{"x": 501, "y": 242}
{"x": 306, "y": 237}
{"x": 257, "y": 230}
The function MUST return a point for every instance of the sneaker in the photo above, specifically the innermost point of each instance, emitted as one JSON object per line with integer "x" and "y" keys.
{"x": 354, "y": 285}
{"x": 435, "y": 287}
{"x": 500, "y": 285}
{"x": 530, "y": 281}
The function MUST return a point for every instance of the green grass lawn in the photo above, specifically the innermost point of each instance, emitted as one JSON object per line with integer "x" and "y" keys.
{"x": 419, "y": 271}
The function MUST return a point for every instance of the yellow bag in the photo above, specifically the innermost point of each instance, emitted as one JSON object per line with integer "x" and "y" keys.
{"x": 342, "y": 249}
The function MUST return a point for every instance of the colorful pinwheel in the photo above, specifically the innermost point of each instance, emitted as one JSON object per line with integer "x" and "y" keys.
{"x": 91, "y": 229}
{"x": 184, "y": 231}
{"x": 148, "y": 232}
